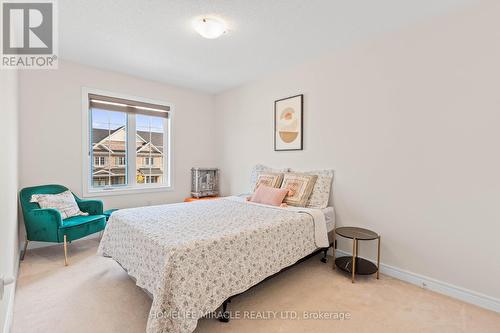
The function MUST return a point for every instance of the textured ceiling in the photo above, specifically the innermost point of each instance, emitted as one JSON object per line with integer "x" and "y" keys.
{"x": 154, "y": 39}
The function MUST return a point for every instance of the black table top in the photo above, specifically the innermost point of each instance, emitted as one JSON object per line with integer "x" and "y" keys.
{"x": 358, "y": 233}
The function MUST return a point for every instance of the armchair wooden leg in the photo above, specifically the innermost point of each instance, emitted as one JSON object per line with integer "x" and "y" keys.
{"x": 25, "y": 249}
{"x": 65, "y": 251}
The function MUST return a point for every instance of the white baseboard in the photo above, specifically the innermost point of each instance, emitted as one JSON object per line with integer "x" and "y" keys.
{"x": 441, "y": 287}
{"x": 11, "y": 291}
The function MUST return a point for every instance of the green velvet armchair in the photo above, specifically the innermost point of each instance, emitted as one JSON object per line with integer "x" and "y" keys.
{"x": 46, "y": 225}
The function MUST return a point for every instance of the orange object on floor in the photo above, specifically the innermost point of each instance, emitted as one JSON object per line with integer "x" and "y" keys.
{"x": 196, "y": 199}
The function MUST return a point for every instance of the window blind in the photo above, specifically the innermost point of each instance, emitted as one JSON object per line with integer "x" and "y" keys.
{"x": 126, "y": 105}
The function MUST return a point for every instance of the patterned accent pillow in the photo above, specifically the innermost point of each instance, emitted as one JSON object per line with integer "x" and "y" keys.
{"x": 64, "y": 202}
{"x": 321, "y": 192}
{"x": 269, "y": 179}
{"x": 299, "y": 186}
{"x": 260, "y": 168}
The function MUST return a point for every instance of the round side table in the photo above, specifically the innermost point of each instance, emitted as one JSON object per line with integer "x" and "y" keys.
{"x": 355, "y": 265}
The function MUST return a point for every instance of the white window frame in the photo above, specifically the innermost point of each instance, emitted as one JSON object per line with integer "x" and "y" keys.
{"x": 131, "y": 187}
{"x": 99, "y": 158}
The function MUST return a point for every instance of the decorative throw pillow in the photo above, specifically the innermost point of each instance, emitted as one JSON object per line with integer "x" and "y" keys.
{"x": 299, "y": 188}
{"x": 64, "y": 202}
{"x": 321, "y": 191}
{"x": 269, "y": 195}
{"x": 258, "y": 169}
{"x": 269, "y": 179}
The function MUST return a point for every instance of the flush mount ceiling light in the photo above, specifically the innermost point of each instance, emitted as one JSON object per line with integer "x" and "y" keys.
{"x": 209, "y": 27}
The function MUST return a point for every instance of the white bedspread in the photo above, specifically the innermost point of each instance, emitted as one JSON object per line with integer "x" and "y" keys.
{"x": 318, "y": 216}
{"x": 193, "y": 256}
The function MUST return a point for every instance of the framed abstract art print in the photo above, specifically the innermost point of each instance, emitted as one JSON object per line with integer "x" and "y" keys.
{"x": 288, "y": 125}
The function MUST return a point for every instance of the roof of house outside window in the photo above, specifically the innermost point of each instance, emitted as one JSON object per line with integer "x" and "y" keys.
{"x": 100, "y": 135}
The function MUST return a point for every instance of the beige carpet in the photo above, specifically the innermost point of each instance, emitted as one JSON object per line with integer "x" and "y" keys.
{"x": 94, "y": 294}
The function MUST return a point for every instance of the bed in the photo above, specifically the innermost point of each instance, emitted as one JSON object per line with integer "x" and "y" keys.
{"x": 191, "y": 257}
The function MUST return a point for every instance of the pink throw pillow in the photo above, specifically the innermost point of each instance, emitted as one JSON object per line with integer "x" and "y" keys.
{"x": 269, "y": 195}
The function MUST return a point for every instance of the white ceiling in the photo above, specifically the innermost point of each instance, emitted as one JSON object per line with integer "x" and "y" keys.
{"x": 154, "y": 39}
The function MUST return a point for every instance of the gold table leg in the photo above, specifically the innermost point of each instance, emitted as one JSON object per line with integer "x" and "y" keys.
{"x": 378, "y": 258}
{"x": 65, "y": 251}
{"x": 354, "y": 255}
{"x": 333, "y": 267}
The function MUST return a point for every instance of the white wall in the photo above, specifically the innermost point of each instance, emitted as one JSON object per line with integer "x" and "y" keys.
{"x": 9, "y": 253}
{"x": 51, "y": 128}
{"x": 410, "y": 123}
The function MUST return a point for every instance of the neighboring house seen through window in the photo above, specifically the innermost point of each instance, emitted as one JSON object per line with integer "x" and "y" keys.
{"x": 128, "y": 143}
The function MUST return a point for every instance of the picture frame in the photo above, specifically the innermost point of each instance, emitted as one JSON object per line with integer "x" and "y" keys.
{"x": 289, "y": 123}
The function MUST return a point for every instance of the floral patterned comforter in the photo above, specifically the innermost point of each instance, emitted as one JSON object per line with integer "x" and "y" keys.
{"x": 192, "y": 256}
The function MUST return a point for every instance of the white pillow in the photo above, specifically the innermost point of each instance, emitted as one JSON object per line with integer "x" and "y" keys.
{"x": 64, "y": 202}
{"x": 321, "y": 191}
{"x": 258, "y": 169}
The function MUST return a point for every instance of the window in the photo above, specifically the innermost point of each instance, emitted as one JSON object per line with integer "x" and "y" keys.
{"x": 149, "y": 129}
{"x": 152, "y": 179}
{"x": 108, "y": 139}
{"x": 120, "y": 161}
{"x": 99, "y": 160}
{"x": 128, "y": 141}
